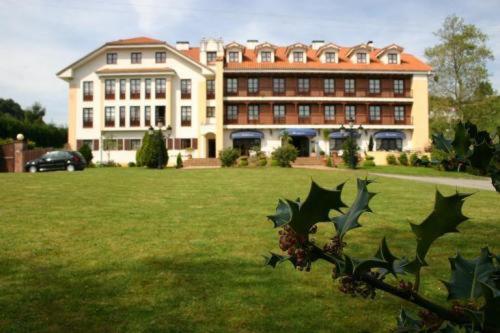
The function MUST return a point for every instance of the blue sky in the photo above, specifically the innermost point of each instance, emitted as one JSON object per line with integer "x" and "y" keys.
{"x": 39, "y": 37}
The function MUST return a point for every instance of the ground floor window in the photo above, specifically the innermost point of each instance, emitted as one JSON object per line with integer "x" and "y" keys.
{"x": 245, "y": 145}
{"x": 390, "y": 144}
{"x": 135, "y": 144}
{"x": 88, "y": 143}
{"x": 337, "y": 144}
{"x": 185, "y": 143}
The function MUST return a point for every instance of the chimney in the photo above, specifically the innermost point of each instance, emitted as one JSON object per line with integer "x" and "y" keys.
{"x": 182, "y": 45}
{"x": 316, "y": 44}
{"x": 370, "y": 44}
{"x": 251, "y": 43}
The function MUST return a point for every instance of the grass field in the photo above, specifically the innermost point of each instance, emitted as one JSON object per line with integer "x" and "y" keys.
{"x": 419, "y": 171}
{"x": 135, "y": 250}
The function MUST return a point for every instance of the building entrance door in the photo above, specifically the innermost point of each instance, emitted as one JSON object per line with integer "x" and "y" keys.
{"x": 211, "y": 148}
{"x": 302, "y": 145}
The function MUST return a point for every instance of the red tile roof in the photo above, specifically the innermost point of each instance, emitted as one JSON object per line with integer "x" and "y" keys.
{"x": 135, "y": 41}
{"x": 193, "y": 53}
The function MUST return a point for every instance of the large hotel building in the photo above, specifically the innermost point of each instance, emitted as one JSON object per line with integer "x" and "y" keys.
{"x": 218, "y": 95}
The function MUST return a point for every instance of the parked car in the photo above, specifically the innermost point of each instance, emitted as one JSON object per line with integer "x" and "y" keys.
{"x": 57, "y": 160}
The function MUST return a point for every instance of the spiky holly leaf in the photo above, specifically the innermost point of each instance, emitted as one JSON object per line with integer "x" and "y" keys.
{"x": 349, "y": 221}
{"x": 441, "y": 143}
{"x": 384, "y": 260}
{"x": 461, "y": 143}
{"x": 408, "y": 323}
{"x": 466, "y": 275}
{"x": 274, "y": 259}
{"x": 316, "y": 208}
{"x": 491, "y": 308}
{"x": 446, "y": 217}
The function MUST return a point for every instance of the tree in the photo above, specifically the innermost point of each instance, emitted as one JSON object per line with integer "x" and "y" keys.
{"x": 459, "y": 61}
{"x": 285, "y": 155}
{"x": 179, "y": 163}
{"x": 370, "y": 143}
{"x": 350, "y": 155}
{"x": 86, "y": 152}
{"x": 35, "y": 113}
{"x": 154, "y": 153}
{"x": 141, "y": 152}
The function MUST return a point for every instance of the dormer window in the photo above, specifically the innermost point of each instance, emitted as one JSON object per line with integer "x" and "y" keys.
{"x": 233, "y": 56}
{"x": 329, "y": 57}
{"x": 361, "y": 58}
{"x": 298, "y": 56}
{"x": 392, "y": 58}
{"x": 211, "y": 57}
{"x": 265, "y": 56}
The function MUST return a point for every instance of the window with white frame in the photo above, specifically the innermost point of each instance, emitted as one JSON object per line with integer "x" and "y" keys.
{"x": 399, "y": 86}
{"x": 232, "y": 112}
{"x": 303, "y": 85}
{"x": 349, "y": 86}
{"x": 88, "y": 117}
{"x": 374, "y": 86}
{"x": 135, "y": 116}
{"x": 329, "y": 57}
{"x": 361, "y": 58}
{"x": 304, "y": 111}
{"x": 329, "y": 112}
{"x": 278, "y": 85}
{"x": 233, "y": 56}
{"x": 374, "y": 112}
{"x": 185, "y": 115}
{"x": 265, "y": 56}
{"x": 253, "y": 113}
{"x": 279, "y": 113}
{"x": 298, "y": 56}
{"x": 399, "y": 113}
{"x": 232, "y": 85}
{"x": 253, "y": 85}
{"x": 211, "y": 56}
{"x": 329, "y": 86}
{"x": 350, "y": 112}
{"x": 392, "y": 58}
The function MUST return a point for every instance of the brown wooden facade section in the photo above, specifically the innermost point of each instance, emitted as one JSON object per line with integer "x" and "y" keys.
{"x": 316, "y": 85}
{"x": 317, "y": 113}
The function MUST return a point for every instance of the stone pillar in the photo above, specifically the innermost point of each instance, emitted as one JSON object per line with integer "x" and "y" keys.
{"x": 19, "y": 148}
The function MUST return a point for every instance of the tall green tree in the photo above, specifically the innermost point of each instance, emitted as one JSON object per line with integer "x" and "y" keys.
{"x": 459, "y": 62}
{"x": 35, "y": 113}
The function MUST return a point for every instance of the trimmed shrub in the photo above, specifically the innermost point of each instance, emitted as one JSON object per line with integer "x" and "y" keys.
{"x": 243, "y": 161}
{"x": 350, "y": 155}
{"x": 285, "y": 155}
{"x": 329, "y": 162}
{"x": 369, "y": 161}
{"x": 321, "y": 153}
{"x": 87, "y": 153}
{"x": 274, "y": 163}
{"x": 391, "y": 159}
{"x": 262, "y": 162}
{"x": 154, "y": 153}
{"x": 141, "y": 152}
{"x": 424, "y": 161}
{"x": 403, "y": 159}
{"x": 370, "y": 144}
{"x": 229, "y": 156}
{"x": 178, "y": 163}
{"x": 414, "y": 160}
{"x": 131, "y": 164}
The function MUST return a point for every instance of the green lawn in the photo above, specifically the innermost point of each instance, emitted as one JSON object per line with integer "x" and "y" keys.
{"x": 135, "y": 250}
{"x": 420, "y": 171}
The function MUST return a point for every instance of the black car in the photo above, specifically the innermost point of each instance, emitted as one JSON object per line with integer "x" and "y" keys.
{"x": 57, "y": 160}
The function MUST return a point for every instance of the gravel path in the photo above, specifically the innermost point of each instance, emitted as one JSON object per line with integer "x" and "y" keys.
{"x": 479, "y": 184}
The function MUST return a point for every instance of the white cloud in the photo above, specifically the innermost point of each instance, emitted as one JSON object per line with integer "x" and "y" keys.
{"x": 154, "y": 15}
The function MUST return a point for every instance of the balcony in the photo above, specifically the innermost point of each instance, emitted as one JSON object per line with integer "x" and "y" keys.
{"x": 88, "y": 98}
{"x": 185, "y": 95}
{"x": 186, "y": 123}
{"x": 109, "y": 96}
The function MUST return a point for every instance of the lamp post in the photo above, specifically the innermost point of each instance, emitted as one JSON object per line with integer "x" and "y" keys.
{"x": 351, "y": 131}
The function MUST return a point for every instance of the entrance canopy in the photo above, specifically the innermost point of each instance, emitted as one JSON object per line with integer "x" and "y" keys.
{"x": 389, "y": 135}
{"x": 246, "y": 135}
{"x": 299, "y": 132}
{"x": 342, "y": 135}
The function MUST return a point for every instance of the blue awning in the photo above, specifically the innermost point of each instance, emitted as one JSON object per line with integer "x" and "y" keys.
{"x": 389, "y": 135}
{"x": 300, "y": 132}
{"x": 341, "y": 135}
{"x": 246, "y": 135}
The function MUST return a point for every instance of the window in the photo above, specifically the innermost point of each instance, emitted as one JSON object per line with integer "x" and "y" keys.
{"x": 88, "y": 90}
{"x": 392, "y": 58}
{"x": 109, "y": 87}
{"x": 399, "y": 113}
{"x": 136, "y": 57}
{"x": 389, "y": 144}
{"x": 88, "y": 143}
{"x": 265, "y": 56}
{"x": 185, "y": 116}
{"x": 328, "y": 86}
{"x": 329, "y": 112}
{"x": 135, "y": 88}
{"x": 298, "y": 56}
{"x": 123, "y": 88}
{"x": 234, "y": 56}
{"x": 279, "y": 114}
{"x": 232, "y": 113}
{"x": 304, "y": 114}
{"x": 109, "y": 116}
{"x": 135, "y": 144}
{"x": 210, "y": 89}
{"x": 186, "y": 88}
{"x": 135, "y": 116}
{"x": 349, "y": 86}
{"x": 147, "y": 84}
{"x": 185, "y": 143}
{"x": 329, "y": 56}
{"x": 122, "y": 116}
{"x": 350, "y": 112}
{"x": 232, "y": 86}
{"x": 303, "y": 86}
{"x": 210, "y": 111}
{"x": 253, "y": 114}
{"x": 399, "y": 87}
{"x": 278, "y": 86}
{"x": 211, "y": 57}
{"x": 253, "y": 85}
{"x": 160, "y": 88}
{"x": 160, "y": 57}
{"x": 147, "y": 116}
{"x": 361, "y": 58}
{"x": 111, "y": 58}
{"x": 109, "y": 144}
{"x": 88, "y": 117}
{"x": 337, "y": 144}
{"x": 374, "y": 86}
{"x": 374, "y": 113}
